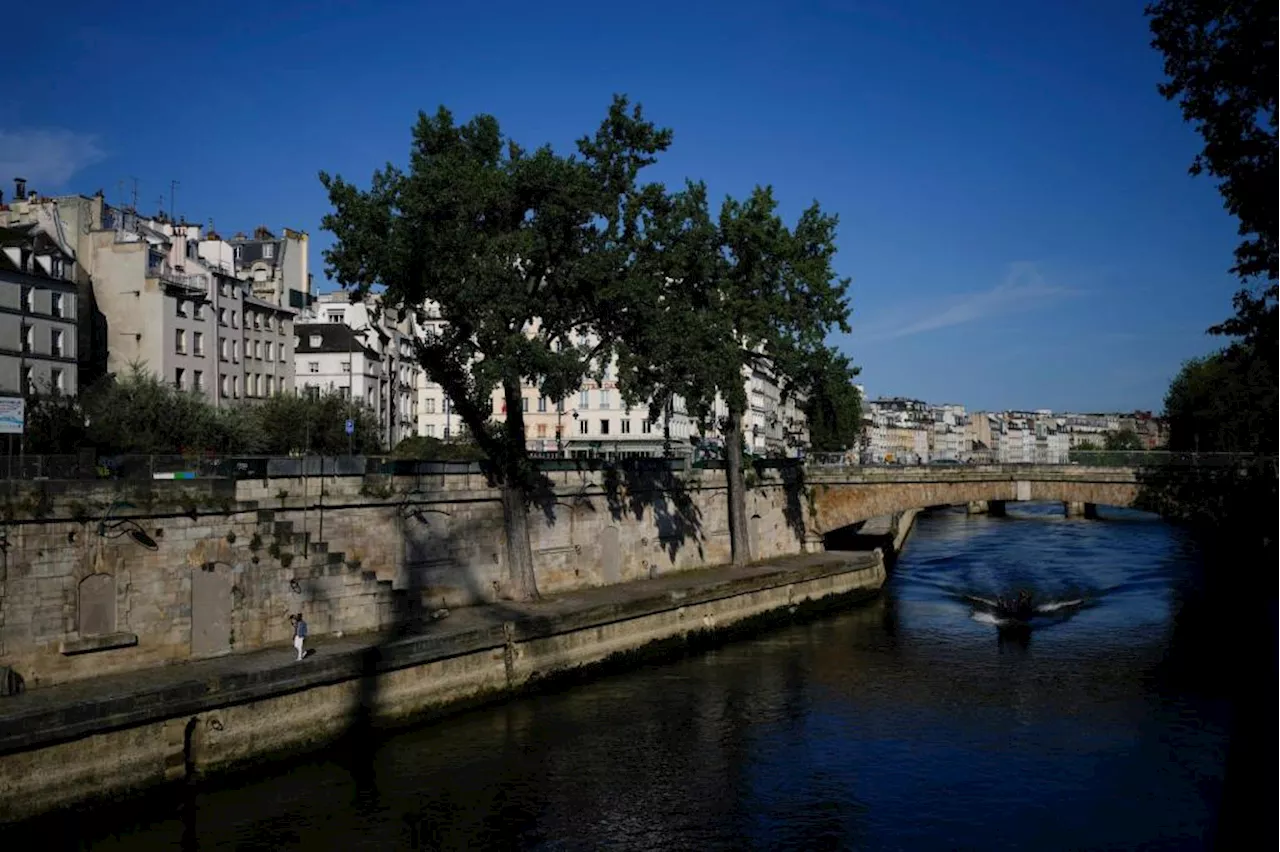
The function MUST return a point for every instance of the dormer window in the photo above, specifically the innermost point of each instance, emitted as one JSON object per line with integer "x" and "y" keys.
{"x": 268, "y": 251}
{"x": 314, "y": 340}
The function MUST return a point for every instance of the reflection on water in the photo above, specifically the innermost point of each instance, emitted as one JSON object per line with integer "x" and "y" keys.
{"x": 904, "y": 724}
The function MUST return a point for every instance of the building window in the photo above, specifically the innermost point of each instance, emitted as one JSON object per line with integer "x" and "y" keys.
{"x": 582, "y": 426}
{"x": 584, "y": 400}
{"x": 624, "y": 426}
{"x": 646, "y": 426}
{"x": 267, "y": 349}
{"x": 346, "y": 366}
{"x": 236, "y": 252}
{"x": 335, "y": 316}
{"x": 257, "y": 320}
{"x": 55, "y": 348}
{"x": 197, "y": 343}
{"x": 199, "y": 311}
{"x": 55, "y": 305}
{"x": 268, "y": 250}
{"x": 542, "y": 430}
{"x": 57, "y": 380}
{"x": 257, "y": 350}
{"x": 197, "y": 380}
{"x": 430, "y": 405}
{"x": 28, "y": 299}
{"x": 235, "y": 351}
{"x": 313, "y": 366}
{"x": 313, "y": 340}
{"x": 222, "y": 316}
{"x": 224, "y": 351}
{"x": 180, "y": 341}
{"x": 604, "y": 400}
{"x": 178, "y": 377}
{"x": 233, "y": 320}
{"x": 542, "y": 404}
{"x": 180, "y": 307}
{"x": 28, "y": 338}
{"x": 235, "y": 387}
{"x": 524, "y": 404}
{"x": 28, "y": 385}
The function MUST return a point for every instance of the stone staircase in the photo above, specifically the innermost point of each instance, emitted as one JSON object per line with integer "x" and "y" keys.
{"x": 311, "y": 559}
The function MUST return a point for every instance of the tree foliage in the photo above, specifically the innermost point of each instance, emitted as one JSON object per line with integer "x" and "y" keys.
{"x": 522, "y": 251}
{"x": 1225, "y": 402}
{"x": 1220, "y": 60}
{"x": 138, "y": 413}
{"x": 727, "y": 295}
{"x": 1223, "y": 67}
{"x": 1123, "y": 440}
{"x": 833, "y": 405}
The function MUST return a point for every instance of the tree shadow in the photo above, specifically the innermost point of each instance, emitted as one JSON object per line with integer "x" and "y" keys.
{"x": 1223, "y": 642}
{"x": 634, "y": 486}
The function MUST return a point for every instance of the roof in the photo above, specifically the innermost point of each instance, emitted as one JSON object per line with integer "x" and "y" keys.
{"x": 334, "y": 337}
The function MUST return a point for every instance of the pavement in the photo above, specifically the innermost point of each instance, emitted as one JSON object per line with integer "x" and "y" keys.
{"x": 75, "y": 708}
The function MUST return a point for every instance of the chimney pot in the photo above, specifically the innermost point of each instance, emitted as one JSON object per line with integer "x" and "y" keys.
{"x": 19, "y": 188}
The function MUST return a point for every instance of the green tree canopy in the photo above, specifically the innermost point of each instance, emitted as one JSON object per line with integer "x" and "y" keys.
{"x": 726, "y": 296}
{"x": 1124, "y": 440}
{"x": 833, "y": 405}
{"x": 522, "y": 251}
{"x": 1220, "y": 60}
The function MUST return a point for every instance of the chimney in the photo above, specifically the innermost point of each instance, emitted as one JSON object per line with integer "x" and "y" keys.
{"x": 19, "y": 188}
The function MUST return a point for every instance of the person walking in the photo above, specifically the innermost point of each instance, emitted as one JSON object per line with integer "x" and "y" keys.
{"x": 299, "y": 634}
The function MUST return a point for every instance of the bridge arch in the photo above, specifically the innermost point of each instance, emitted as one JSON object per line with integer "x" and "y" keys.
{"x": 840, "y": 499}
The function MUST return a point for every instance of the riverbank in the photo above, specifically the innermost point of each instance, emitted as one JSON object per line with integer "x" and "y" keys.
{"x": 110, "y": 735}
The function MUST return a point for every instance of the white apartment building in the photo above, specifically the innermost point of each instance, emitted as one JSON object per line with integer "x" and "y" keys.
{"x": 393, "y": 387}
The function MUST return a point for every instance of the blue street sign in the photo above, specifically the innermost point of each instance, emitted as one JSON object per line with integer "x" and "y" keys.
{"x": 351, "y": 427}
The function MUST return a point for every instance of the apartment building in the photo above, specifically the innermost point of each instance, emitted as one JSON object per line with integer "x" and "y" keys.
{"x": 391, "y": 336}
{"x": 276, "y": 267}
{"x": 163, "y": 295}
{"x": 38, "y": 328}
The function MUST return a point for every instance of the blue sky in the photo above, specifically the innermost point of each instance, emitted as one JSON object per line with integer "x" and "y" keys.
{"x": 1015, "y": 211}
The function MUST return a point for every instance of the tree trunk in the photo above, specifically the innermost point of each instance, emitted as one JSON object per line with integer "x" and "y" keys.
{"x": 523, "y": 585}
{"x": 738, "y": 539}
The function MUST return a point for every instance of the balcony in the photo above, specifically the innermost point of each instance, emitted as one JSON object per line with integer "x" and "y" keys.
{"x": 191, "y": 283}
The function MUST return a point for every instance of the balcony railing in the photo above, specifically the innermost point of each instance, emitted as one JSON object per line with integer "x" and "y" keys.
{"x": 193, "y": 282}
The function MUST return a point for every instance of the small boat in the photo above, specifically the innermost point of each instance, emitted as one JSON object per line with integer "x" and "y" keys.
{"x": 1020, "y": 609}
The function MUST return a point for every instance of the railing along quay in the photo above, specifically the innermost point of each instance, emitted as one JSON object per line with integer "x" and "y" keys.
{"x": 86, "y": 466}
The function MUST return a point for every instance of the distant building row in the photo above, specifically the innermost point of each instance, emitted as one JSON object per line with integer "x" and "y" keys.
{"x": 910, "y": 431}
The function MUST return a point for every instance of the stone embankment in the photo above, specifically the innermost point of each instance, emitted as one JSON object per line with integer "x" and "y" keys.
{"x": 105, "y": 736}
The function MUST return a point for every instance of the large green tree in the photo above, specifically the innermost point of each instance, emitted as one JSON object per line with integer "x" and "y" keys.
{"x": 727, "y": 295}
{"x": 523, "y": 252}
{"x": 1220, "y": 61}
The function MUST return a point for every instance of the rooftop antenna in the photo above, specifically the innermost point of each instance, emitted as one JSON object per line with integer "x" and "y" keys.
{"x": 173, "y": 191}
{"x": 120, "y": 189}
{"x": 135, "y": 194}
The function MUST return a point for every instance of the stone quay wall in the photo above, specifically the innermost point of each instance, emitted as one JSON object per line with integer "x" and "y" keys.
{"x": 189, "y": 729}
{"x": 107, "y": 577}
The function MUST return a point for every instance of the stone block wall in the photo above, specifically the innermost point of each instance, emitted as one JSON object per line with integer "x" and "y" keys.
{"x": 99, "y": 578}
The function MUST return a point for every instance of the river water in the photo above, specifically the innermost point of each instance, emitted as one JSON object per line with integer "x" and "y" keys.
{"x": 909, "y": 723}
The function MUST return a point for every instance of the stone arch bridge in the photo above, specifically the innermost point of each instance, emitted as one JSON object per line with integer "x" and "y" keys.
{"x": 839, "y": 498}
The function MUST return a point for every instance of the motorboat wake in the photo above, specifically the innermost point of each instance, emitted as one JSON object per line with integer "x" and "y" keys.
{"x": 1022, "y": 611}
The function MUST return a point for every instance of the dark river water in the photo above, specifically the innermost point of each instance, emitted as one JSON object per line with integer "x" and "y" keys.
{"x": 908, "y": 723}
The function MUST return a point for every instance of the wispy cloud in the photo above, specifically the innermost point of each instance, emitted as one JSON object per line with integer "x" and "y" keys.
{"x": 1022, "y": 289}
{"x": 46, "y": 157}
